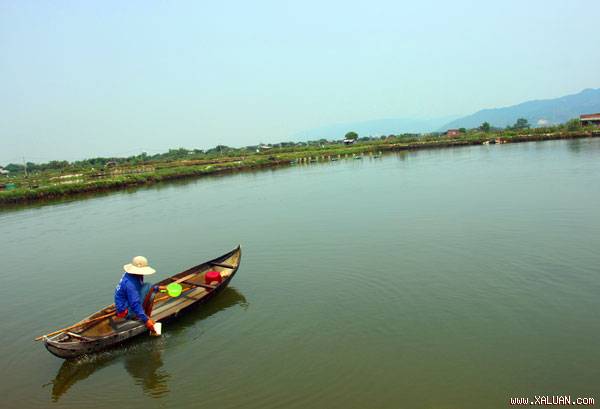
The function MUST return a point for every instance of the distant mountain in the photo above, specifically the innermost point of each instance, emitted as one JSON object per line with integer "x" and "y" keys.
{"x": 537, "y": 112}
{"x": 375, "y": 127}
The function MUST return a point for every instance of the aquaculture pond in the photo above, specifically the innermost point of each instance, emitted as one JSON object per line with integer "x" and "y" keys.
{"x": 447, "y": 278}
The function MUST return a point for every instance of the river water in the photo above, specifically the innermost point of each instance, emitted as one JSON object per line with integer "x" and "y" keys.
{"x": 451, "y": 278}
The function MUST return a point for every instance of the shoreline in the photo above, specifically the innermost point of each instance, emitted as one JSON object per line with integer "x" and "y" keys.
{"x": 188, "y": 169}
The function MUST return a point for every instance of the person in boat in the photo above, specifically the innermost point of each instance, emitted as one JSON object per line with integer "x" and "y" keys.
{"x": 131, "y": 291}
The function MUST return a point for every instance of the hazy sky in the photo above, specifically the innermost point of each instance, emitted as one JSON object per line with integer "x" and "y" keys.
{"x": 81, "y": 79}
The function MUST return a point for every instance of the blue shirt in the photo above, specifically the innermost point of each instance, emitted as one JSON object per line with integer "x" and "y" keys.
{"x": 127, "y": 295}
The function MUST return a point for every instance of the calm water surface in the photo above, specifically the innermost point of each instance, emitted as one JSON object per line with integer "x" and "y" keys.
{"x": 452, "y": 278}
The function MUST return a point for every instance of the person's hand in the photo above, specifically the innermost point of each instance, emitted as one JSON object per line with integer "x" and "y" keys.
{"x": 150, "y": 325}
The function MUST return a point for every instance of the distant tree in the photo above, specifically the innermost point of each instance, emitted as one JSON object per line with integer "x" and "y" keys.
{"x": 351, "y": 135}
{"x": 55, "y": 164}
{"x": 12, "y": 167}
{"x": 521, "y": 123}
{"x": 219, "y": 149}
{"x": 485, "y": 127}
{"x": 573, "y": 124}
{"x": 462, "y": 130}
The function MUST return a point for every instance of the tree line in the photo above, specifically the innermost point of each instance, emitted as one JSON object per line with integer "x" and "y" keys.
{"x": 223, "y": 150}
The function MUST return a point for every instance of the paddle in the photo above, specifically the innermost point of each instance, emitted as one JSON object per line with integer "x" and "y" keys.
{"x": 76, "y": 325}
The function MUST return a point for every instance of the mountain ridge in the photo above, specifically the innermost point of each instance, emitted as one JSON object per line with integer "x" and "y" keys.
{"x": 538, "y": 112}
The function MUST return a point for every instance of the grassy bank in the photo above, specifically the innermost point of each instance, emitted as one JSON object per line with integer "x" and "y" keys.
{"x": 57, "y": 184}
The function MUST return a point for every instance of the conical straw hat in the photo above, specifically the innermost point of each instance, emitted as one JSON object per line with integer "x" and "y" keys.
{"x": 139, "y": 265}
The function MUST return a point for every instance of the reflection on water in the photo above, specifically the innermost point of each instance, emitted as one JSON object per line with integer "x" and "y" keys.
{"x": 575, "y": 145}
{"x": 142, "y": 356}
{"x": 145, "y": 370}
{"x": 142, "y": 361}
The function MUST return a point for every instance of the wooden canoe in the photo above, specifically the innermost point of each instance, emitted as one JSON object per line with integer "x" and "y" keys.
{"x": 105, "y": 330}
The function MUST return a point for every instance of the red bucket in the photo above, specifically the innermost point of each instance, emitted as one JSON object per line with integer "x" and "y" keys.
{"x": 212, "y": 276}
